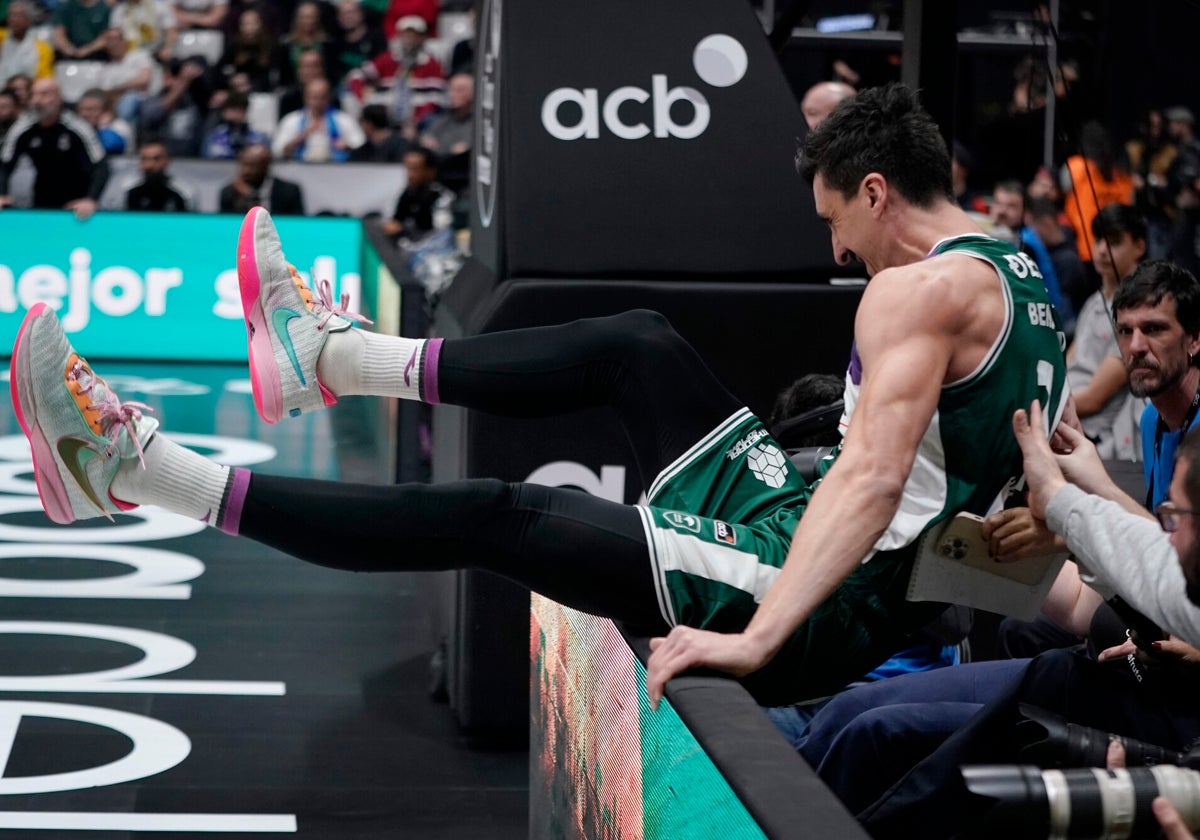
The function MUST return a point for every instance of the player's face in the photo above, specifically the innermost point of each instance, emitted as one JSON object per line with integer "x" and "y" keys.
{"x": 849, "y": 223}
{"x": 1154, "y": 346}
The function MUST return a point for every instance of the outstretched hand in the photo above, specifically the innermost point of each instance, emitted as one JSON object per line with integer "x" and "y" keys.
{"x": 1042, "y": 474}
{"x": 685, "y": 648}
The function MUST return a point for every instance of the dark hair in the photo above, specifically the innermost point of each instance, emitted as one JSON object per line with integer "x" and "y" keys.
{"x": 806, "y": 413}
{"x": 427, "y": 155}
{"x": 884, "y": 130}
{"x": 1010, "y": 185}
{"x": 1096, "y": 144}
{"x": 9, "y": 92}
{"x": 236, "y": 99}
{"x": 1118, "y": 218}
{"x": 1153, "y": 280}
{"x": 1041, "y": 207}
{"x": 376, "y": 115}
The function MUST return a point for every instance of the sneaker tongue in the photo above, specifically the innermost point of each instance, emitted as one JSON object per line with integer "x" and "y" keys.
{"x": 144, "y": 428}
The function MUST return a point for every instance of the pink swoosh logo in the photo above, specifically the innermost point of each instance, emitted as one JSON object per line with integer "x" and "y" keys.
{"x": 412, "y": 360}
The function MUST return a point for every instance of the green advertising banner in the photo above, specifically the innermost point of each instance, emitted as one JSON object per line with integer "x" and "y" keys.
{"x": 154, "y": 285}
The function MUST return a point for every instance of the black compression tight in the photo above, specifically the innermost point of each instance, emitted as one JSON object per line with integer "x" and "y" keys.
{"x": 581, "y": 550}
{"x": 578, "y": 549}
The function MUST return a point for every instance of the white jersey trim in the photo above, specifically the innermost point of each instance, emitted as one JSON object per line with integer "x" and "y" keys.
{"x": 706, "y": 442}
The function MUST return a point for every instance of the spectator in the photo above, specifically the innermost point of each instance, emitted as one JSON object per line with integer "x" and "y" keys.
{"x": 79, "y": 27}
{"x": 1095, "y": 371}
{"x": 70, "y": 162}
{"x": 116, "y": 135}
{"x": 8, "y": 112}
{"x": 1008, "y": 215}
{"x": 311, "y": 68}
{"x": 318, "y": 132}
{"x": 1091, "y": 180}
{"x": 21, "y": 50}
{"x": 961, "y": 164}
{"x": 200, "y": 14}
{"x": 462, "y": 57}
{"x": 1183, "y": 186}
{"x": 22, "y": 88}
{"x": 354, "y": 42}
{"x": 254, "y": 187}
{"x": 231, "y": 134}
{"x": 253, "y": 51}
{"x": 452, "y": 131}
{"x": 1042, "y": 218}
{"x": 176, "y": 113}
{"x": 383, "y": 144}
{"x": 397, "y": 10}
{"x": 425, "y": 207}
{"x": 822, "y": 98}
{"x": 268, "y": 13}
{"x": 154, "y": 189}
{"x": 129, "y": 76}
{"x": 407, "y": 75}
{"x": 306, "y": 35}
{"x": 1150, "y": 154}
{"x": 146, "y": 24}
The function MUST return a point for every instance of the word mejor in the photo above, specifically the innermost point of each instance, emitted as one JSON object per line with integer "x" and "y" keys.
{"x": 115, "y": 290}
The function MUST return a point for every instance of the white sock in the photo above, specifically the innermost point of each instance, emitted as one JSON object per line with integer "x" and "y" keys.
{"x": 175, "y": 478}
{"x": 360, "y": 362}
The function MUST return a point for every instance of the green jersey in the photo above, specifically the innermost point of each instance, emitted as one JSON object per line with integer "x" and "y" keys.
{"x": 720, "y": 519}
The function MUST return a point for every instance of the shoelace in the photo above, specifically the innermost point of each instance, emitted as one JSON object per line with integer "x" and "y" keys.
{"x": 114, "y": 414}
{"x": 324, "y": 300}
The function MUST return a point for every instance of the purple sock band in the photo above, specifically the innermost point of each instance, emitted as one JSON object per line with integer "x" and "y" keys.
{"x": 231, "y": 521}
{"x": 429, "y": 368}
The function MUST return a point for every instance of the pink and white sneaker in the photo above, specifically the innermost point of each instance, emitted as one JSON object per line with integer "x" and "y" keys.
{"x": 78, "y": 429}
{"x": 286, "y": 324}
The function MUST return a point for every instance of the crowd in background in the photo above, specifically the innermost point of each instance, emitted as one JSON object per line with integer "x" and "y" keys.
{"x": 258, "y": 81}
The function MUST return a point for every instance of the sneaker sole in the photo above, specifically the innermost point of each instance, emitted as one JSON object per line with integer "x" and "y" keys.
{"x": 264, "y": 374}
{"x": 50, "y": 486}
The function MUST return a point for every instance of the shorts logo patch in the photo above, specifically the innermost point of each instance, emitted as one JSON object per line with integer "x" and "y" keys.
{"x": 683, "y": 520}
{"x": 768, "y": 464}
{"x": 745, "y": 443}
{"x": 724, "y": 532}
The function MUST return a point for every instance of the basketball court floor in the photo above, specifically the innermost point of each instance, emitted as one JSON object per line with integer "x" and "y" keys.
{"x": 160, "y": 677}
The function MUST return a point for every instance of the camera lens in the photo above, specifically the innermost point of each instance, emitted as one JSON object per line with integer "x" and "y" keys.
{"x": 1025, "y": 801}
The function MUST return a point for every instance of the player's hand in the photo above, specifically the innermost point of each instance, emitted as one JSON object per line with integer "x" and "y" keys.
{"x": 685, "y": 648}
{"x": 1015, "y": 534}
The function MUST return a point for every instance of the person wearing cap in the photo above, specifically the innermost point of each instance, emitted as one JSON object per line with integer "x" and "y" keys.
{"x": 401, "y": 10}
{"x": 407, "y": 77}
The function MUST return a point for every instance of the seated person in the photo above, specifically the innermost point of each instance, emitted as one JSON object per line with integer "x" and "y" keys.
{"x": 383, "y": 144}
{"x": 226, "y": 139}
{"x": 1094, "y": 368}
{"x": 254, "y": 186}
{"x": 318, "y": 132}
{"x": 153, "y": 189}
{"x": 116, "y": 135}
{"x": 425, "y": 206}
{"x": 78, "y": 32}
{"x": 21, "y": 50}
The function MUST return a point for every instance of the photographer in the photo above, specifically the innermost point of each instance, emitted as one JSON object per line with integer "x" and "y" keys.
{"x": 1164, "y": 585}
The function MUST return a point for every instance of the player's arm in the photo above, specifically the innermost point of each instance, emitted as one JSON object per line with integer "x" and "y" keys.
{"x": 905, "y": 332}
